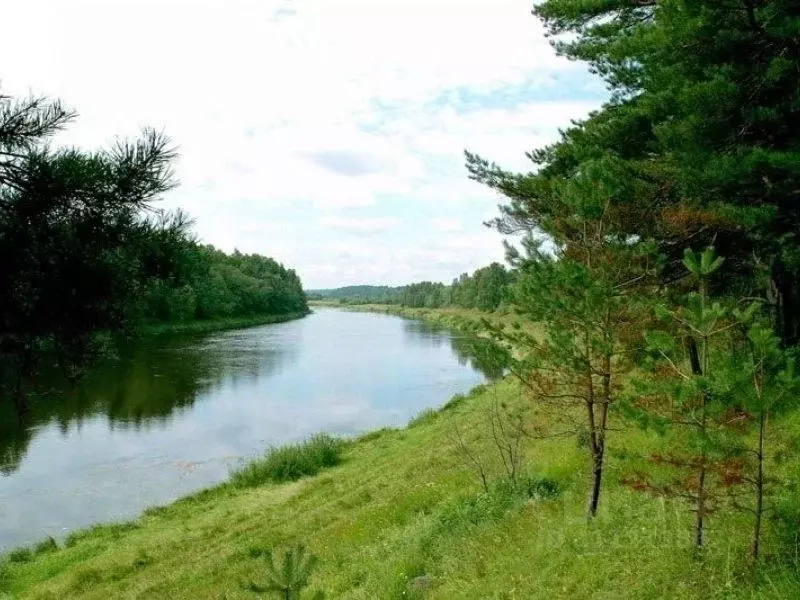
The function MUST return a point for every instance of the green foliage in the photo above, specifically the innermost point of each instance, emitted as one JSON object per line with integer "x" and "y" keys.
{"x": 703, "y": 120}
{"x": 291, "y": 462}
{"x": 84, "y": 253}
{"x": 288, "y": 575}
{"x": 454, "y": 402}
{"x": 20, "y": 555}
{"x": 493, "y": 503}
{"x": 215, "y": 285}
{"x": 358, "y": 294}
{"x": 46, "y": 545}
{"x": 484, "y": 290}
{"x": 78, "y": 237}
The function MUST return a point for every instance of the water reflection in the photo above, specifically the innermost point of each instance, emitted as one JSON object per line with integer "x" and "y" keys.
{"x": 470, "y": 350}
{"x": 146, "y": 385}
{"x": 162, "y": 420}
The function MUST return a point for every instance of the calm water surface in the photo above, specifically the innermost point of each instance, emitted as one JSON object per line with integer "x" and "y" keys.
{"x": 164, "y": 420}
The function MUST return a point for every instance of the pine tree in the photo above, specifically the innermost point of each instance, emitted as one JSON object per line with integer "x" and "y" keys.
{"x": 289, "y": 575}
{"x": 690, "y": 396}
{"x": 578, "y": 290}
{"x": 764, "y": 377}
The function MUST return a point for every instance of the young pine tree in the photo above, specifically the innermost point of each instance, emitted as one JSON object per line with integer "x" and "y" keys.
{"x": 689, "y": 396}
{"x": 577, "y": 292}
{"x": 290, "y": 575}
{"x": 763, "y": 375}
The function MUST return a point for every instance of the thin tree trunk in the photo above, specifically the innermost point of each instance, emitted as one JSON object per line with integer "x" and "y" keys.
{"x": 756, "y": 545}
{"x": 700, "y": 509}
{"x": 597, "y": 480}
{"x": 786, "y": 307}
{"x": 599, "y": 450}
{"x": 694, "y": 356}
{"x": 597, "y": 466}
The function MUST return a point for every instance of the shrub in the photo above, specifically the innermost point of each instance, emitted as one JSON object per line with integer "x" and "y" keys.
{"x": 454, "y": 402}
{"x": 46, "y": 545}
{"x": 20, "y": 555}
{"x": 291, "y": 462}
{"x": 424, "y": 416}
{"x": 503, "y": 495}
{"x": 539, "y": 488}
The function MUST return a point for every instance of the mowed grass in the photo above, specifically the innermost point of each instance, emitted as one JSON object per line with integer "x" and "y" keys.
{"x": 402, "y": 516}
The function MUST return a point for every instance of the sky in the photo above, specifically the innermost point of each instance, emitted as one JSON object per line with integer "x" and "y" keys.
{"x": 327, "y": 134}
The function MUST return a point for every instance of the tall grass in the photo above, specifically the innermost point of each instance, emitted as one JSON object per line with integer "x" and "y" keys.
{"x": 291, "y": 462}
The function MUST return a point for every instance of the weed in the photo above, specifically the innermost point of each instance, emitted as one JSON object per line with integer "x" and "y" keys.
{"x": 425, "y": 416}
{"x": 289, "y": 463}
{"x": 46, "y": 545}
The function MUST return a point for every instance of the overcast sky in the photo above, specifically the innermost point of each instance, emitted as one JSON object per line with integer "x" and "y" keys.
{"x": 328, "y": 134}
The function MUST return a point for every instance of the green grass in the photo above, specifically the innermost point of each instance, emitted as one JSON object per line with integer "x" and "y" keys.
{"x": 211, "y": 325}
{"x": 291, "y": 462}
{"x": 400, "y": 514}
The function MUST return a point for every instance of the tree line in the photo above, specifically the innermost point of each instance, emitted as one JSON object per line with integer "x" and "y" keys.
{"x": 84, "y": 251}
{"x": 484, "y": 290}
{"x": 658, "y": 254}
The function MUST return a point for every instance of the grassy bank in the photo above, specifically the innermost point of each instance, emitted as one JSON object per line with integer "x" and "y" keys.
{"x": 402, "y": 514}
{"x": 211, "y": 325}
{"x": 449, "y": 317}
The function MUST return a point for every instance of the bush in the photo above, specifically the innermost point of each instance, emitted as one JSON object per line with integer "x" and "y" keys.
{"x": 46, "y": 545}
{"x": 454, "y": 402}
{"x": 289, "y": 463}
{"x": 503, "y": 495}
{"x": 20, "y": 555}
{"x": 424, "y": 416}
{"x": 539, "y": 488}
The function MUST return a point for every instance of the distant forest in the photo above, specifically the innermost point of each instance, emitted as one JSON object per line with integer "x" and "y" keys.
{"x": 484, "y": 290}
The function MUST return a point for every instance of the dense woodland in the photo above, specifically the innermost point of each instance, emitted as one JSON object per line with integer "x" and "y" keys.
{"x": 84, "y": 252}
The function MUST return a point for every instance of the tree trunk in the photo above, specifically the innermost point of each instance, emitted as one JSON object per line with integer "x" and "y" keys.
{"x": 694, "y": 356}
{"x": 786, "y": 317}
{"x": 599, "y": 448}
{"x": 700, "y": 509}
{"x": 756, "y": 544}
{"x": 597, "y": 480}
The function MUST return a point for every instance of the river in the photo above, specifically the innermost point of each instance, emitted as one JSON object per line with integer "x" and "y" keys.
{"x": 171, "y": 416}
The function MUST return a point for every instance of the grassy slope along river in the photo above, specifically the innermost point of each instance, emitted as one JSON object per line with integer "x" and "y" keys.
{"x": 217, "y": 324}
{"x": 402, "y": 517}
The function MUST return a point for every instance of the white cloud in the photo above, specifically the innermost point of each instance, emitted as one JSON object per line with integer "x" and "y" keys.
{"x": 446, "y": 224}
{"x": 303, "y": 123}
{"x": 366, "y": 224}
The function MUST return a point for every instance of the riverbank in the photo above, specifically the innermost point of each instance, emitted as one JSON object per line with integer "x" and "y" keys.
{"x": 221, "y": 324}
{"x": 404, "y": 515}
{"x": 449, "y": 317}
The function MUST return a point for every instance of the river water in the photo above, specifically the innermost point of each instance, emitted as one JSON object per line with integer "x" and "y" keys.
{"x": 169, "y": 417}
